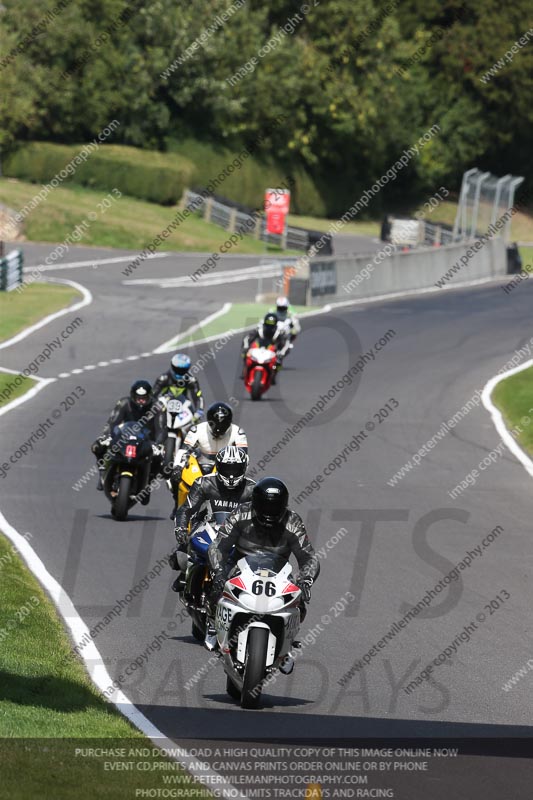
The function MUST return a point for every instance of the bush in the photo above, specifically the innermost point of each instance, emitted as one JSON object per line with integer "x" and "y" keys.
{"x": 156, "y": 177}
{"x": 162, "y": 177}
{"x": 247, "y": 184}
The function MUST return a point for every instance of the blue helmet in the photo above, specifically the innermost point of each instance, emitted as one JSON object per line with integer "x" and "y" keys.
{"x": 180, "y": 365}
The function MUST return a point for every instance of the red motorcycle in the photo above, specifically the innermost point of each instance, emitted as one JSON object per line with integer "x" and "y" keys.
{"x": 260, "y": 369}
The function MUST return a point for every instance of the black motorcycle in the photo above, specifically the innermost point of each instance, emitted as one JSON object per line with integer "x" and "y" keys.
{"x": 127, "y": 476}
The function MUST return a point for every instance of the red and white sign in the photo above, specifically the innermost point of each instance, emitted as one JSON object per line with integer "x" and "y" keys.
{"x": 277, "y": 203}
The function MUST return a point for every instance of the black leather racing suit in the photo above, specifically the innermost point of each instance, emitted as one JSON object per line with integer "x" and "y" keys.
{"x": 126, "y": 411}
{"x": 248, "y": 536}
{"x": 211, "y": 493}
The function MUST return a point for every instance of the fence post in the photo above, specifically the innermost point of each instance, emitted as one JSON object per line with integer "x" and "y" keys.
{"x": 208, "y": 209}
{"x": 232, "y": 220}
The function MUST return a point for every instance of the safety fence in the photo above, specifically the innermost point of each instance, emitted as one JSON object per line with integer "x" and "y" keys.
{"x": 234, "y": 220}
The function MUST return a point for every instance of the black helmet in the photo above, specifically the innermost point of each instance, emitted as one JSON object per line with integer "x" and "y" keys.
{"x": 231, "y": 463}
{"x": 270, "y": 499}
{"x": 270, "y": 324}
{"x": 141, "y": 394}
{"x": 219, "y": 417}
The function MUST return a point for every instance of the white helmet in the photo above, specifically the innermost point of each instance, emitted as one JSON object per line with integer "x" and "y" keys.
{"x": 282, "y": 304}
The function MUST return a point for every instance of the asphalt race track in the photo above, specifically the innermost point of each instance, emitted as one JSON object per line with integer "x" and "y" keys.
{"x": 398, "y": 541}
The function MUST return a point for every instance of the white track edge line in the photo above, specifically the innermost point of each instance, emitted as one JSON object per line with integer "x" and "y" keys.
{"x": 87, "y": 299}
{"x": 497, "y": 416}
{"x": 170, "y": 344}
{"x": 93, "y": 263}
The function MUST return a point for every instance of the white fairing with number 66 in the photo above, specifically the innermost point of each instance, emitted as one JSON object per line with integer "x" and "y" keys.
{"x": 259, "y": 594}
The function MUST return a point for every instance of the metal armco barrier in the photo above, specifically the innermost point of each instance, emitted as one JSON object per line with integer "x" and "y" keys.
{"x": 11, "y": 271}
{"x": 233, "y": 219}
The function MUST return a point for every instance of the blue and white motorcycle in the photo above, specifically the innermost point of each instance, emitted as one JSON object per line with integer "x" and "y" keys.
{"x": 195, "y": 564}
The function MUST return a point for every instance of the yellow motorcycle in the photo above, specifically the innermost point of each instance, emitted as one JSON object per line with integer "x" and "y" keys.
{"x": 195, "y": 468}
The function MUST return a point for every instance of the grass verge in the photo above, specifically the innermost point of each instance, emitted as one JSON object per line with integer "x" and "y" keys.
{"x": 240, "y": 315}
{"x": 526, "y": 254}
{"x": 127, "y": 223}
{"x": 13, "y": 392}
{"x": 357, "y": 228}
{"x": 514, "y": 398}
{"x": 19, "y": 310}
{"x": 49, "y": 708}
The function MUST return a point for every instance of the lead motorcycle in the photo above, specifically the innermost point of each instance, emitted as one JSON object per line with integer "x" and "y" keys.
{"x": 129, "y": 460}
{"x": 257, "y": 620}
{"x": 197, "y": 583}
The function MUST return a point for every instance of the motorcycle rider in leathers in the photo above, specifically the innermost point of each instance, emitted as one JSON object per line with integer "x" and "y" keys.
{"x": 264, "y": 523}
{"x": 207, "y": 439}
{"x": 269, "y": 332}
{"x": 223, "y": 491}
{"x": 287, "y": 317}
{"x": 178, "y": 382}
{"x": 138, "y": 407}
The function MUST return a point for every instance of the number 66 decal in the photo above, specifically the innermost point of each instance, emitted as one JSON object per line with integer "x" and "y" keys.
{"x": 267, "y": 587}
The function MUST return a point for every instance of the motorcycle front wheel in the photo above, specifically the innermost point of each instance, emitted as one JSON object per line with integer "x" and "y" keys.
{"x": 254, "y": 667}
{"x": 256, "y": 387}
{"x": 170, "y": 447}
{"x": 122, "y": 501}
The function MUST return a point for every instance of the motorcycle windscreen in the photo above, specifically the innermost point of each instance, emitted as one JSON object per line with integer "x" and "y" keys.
{"x": 263, "y": 560}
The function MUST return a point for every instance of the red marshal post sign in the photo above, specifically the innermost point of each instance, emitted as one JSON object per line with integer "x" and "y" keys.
{"x": 277, "y": 203}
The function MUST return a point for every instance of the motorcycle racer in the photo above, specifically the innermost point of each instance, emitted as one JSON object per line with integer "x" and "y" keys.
{"x": 269, "y": 332}
{"x": 207, "y": 438}
{"x": 223, "y": 491}
{"x": 264, "y": 523}
{"x": 138, "y": 407}
{"x": 179, "y": 381}
{"x": 287, "y": 317}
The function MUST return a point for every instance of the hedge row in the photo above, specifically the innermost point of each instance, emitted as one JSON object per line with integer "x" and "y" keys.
{"x": 162, "y": 177}
{"x": 155, "y": 177}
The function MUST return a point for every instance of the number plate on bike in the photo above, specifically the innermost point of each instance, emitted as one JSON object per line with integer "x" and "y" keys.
{"x": 131, "y": 450}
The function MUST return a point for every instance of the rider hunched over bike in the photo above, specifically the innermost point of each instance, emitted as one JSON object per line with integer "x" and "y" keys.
{"x": 138, "y": 407}
{"x": 264, "y": 523}
{"x": 269, "y": 332}
{"x": 178, "y": 382}
{"x": 288, "y": 319}
{"x": 224, "y": 491}
{"x": 207, "y": 438}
